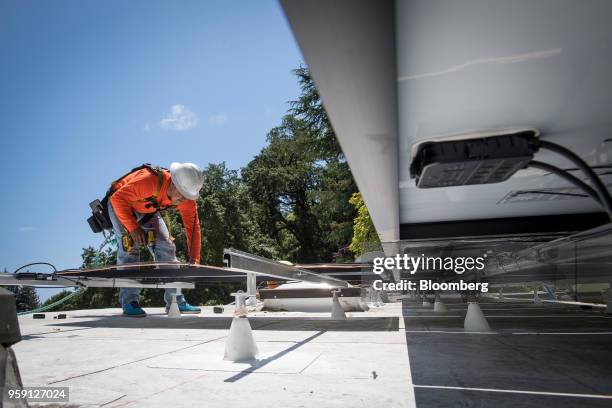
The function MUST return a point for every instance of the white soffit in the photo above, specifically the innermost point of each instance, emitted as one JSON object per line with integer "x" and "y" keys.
{"x": 349, "y": 46}
{"x": 469, "y": 65}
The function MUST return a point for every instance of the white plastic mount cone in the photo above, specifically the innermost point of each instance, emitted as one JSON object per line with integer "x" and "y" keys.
{"x": 375, "y": 300}
{"x": 173, "y": 310}
{"x": 337, "y": 312}
{"x": 475, "y": 320}
{"x": 536, "y": 296}
{"x": 439, "y": 306}
{"x": 240, "y": 344}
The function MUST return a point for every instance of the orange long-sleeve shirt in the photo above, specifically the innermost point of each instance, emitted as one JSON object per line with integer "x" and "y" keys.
{"x": 132, "y": 189}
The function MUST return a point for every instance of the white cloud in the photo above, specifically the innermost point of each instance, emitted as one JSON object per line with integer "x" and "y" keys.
{"x": 180, "y": 118}
{"x": 146, "y": 128}
{"x": 26, "y": 229}
{"x": 218, "y": 119}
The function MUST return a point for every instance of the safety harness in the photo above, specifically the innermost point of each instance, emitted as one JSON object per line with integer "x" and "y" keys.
{"x": 152, "y": 200}
{"x": 100, "y": 219}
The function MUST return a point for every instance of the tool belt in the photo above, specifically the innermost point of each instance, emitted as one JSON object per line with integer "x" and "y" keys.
{"x": 100, "y": 219}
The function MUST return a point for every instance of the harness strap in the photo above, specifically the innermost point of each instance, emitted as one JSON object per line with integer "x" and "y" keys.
{"x": 153, "y": 199}
{"x": 153, "y": 202}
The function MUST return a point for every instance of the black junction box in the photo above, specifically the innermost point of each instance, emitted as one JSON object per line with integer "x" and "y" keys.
{"x": 484, "y": 160}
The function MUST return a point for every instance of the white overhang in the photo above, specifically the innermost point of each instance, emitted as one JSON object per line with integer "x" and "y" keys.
{"x": 350, "y": 49}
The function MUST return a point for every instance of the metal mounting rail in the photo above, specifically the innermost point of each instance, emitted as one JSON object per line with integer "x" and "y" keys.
{"x": 243, "y": 261}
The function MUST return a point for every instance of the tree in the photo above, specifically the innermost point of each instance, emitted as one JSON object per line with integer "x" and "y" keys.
{"x": 301, "y": 183}
{"x": 26, "y": 298}
{"x": 68, "y": 305}
{"x": 309, "y": 108}
{"x": 281, "y": 180}
{"x": 336, "y": 180}
{"x": 365, "y": 237}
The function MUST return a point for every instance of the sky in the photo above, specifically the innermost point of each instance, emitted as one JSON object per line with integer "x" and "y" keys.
{"x": 91, "y": 89}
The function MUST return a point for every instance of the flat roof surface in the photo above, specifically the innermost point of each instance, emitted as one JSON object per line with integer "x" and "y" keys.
{"x": 398, "y": 355}
{"x": 306, "y": 360}
{"x": 537, "y": 355}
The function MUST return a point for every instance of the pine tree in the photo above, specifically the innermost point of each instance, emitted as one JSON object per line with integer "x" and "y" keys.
{"x": 26, "y": 298}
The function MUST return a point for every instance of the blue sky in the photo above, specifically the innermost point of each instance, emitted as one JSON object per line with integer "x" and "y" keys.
{"x": 90, "y": 89}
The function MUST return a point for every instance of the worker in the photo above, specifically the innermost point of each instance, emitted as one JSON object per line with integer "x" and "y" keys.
{"x": 133, "y": 208}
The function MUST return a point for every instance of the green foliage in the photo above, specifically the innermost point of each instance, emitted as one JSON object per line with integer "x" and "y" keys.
{"x": 68, "y": 305}
{"x": 364, "y": 233}
{"x": 92, "y": 257}
{"x": 280, "y": 180}
{"x": 310, "y": 110}
{"x": 56, "y": 297}
{"x": 301, "y": 183}
{"x": 25, "y": 297}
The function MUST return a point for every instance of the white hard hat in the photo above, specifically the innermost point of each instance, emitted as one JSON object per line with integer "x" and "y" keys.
{"x": 187, "y": 178}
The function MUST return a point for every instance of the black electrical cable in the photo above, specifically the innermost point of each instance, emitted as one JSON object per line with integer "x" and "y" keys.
{"x": 552, "y": 193}
{"x": 37, "y": 263}
{"x": 76, "y": 283}
{"x": 567, "y": 177}
{"x": 601, "y": 189}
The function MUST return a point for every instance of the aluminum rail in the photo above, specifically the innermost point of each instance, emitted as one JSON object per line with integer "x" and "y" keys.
{"x": 236, "y": 260}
